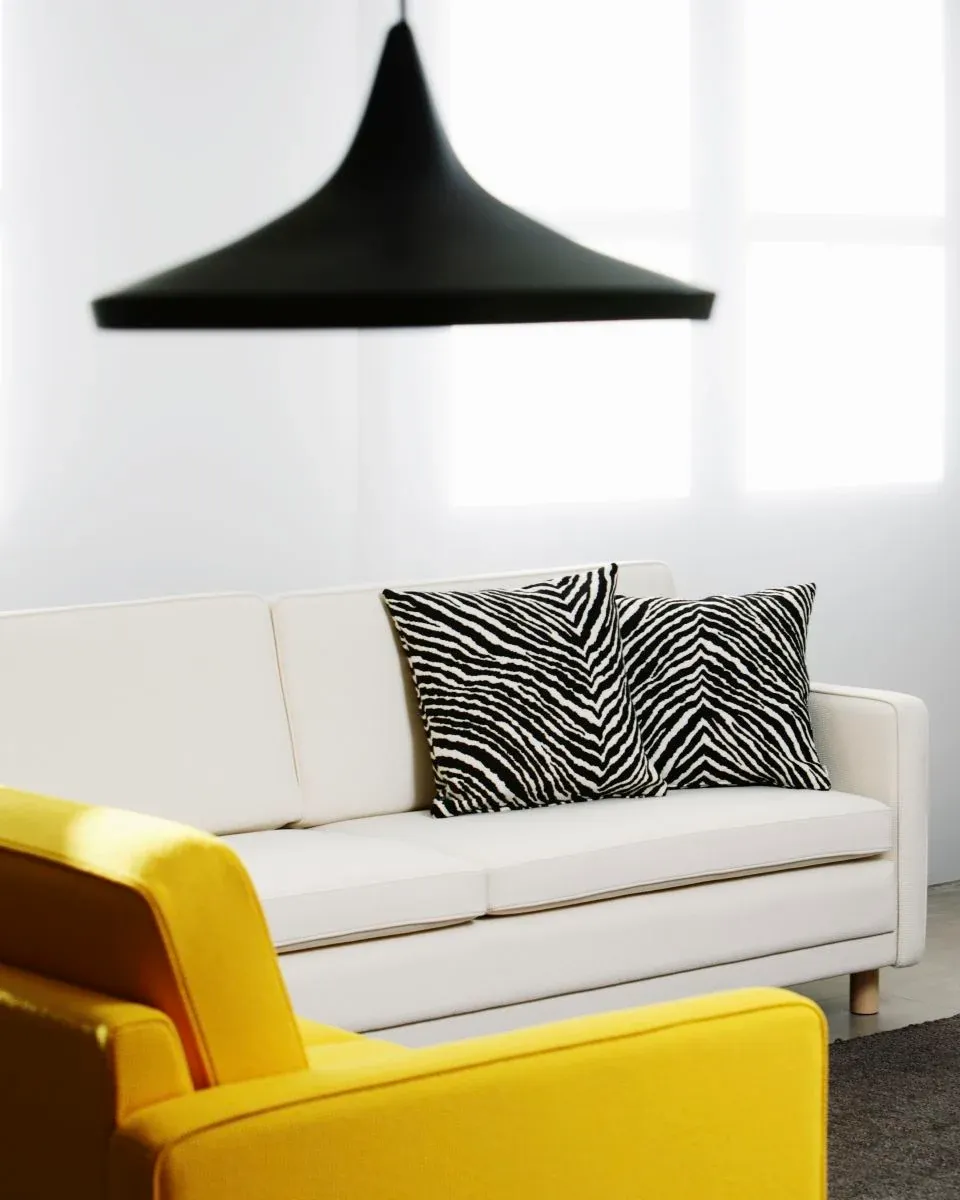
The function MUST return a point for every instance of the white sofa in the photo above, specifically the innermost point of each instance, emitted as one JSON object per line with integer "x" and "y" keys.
{"x": 290, "y": 728}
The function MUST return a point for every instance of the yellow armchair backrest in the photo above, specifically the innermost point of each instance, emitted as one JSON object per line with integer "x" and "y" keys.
{"x": 150, "y": 912}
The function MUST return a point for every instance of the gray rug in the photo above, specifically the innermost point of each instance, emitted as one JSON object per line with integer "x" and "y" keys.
{"x": 895, "y": 1114}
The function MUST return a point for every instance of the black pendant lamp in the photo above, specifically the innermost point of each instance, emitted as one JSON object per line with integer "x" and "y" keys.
{"x": 401, "y": 235}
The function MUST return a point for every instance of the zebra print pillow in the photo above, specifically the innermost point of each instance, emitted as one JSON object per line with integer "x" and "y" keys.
{"x": 720, "y": 686}
{"x": 523, "y": 694}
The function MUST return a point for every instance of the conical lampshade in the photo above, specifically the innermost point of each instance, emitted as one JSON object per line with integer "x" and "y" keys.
{"x": 401, "y": 235}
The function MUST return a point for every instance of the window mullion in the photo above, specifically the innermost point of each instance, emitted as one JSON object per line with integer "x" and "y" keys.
{"x": 719, "y": 242}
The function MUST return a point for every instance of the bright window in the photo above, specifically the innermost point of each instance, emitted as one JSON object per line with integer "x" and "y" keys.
{"x": 789, "y": 154}
{"x": 844, "y": 106}
{"x": 564, "y": 107}
{"x": 568, "y": 413}
{"x": 845, "y": 369}
{"x": 845, "y": 268}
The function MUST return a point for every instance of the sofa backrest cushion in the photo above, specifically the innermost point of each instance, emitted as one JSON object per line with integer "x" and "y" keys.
{"x": 169, "y": 707}
{"x": 357, "y": 734}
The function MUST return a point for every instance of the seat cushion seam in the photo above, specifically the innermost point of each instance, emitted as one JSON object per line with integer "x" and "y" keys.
{"x": 735, "y": 872}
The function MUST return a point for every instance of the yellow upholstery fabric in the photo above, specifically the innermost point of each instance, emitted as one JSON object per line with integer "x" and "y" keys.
{"x": 315, "y": 1034}
{"x": 72, "y": 1065}
{"x": 151, "y": 912}
{"x": 335, "y": 1056}
{"x": 328, "y": 1046}
{"x": 148, "y": 1052}
{"x": 718, "y": 1098}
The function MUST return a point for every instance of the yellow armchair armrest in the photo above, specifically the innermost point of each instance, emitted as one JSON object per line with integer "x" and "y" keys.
{"x": 716, "y": 1098}
{"x": 74, "y": 1064}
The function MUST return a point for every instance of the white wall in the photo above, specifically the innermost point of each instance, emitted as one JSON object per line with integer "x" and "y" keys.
{"x": 135, "y": 135}
{"x": 133, "y": 465}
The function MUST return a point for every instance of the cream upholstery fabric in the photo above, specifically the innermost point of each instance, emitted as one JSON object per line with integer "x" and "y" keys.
{"x": 507, "y": 960}
{"x": 175, "y": 708}
{"x": 169, "y": 707}
{"x": 344, "y": 675}
{"x": 318, "y": 886}
{"x": 876, "y": 743}
{"x": 769, "y": 970}
{"x": 576, "y": 852}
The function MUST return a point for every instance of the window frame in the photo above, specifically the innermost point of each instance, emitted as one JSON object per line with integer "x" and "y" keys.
{"x": 719, "y": 230}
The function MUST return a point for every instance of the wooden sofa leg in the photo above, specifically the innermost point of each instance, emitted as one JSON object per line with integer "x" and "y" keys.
{"x": 865, "y": 993}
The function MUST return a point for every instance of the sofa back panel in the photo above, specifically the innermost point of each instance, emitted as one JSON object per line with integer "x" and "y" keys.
{"x": 357, "y": 733}
{"x": 169, "y": 707}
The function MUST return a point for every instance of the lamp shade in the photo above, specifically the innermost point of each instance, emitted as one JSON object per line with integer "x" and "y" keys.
{"x": 401, "y": 235}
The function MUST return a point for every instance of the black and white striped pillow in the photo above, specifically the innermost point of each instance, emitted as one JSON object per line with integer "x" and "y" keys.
{"x": 721, "y": 688}
{"x": 523, "y": 694}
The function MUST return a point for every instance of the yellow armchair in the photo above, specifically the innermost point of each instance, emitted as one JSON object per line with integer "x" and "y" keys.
{"x": 148, "y": 1051}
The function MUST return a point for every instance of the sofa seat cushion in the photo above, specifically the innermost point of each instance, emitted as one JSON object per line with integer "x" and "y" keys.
{"x": 551, "y": 857}
{"x": 315, "y": 1033}
{"x": 319, "y": 886}
{"x": 330, "y": 1048}
{"x": 359, "y": 1052}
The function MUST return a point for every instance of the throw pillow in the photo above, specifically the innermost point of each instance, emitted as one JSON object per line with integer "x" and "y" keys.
{"x": 721, "y": 688}
{"x": 523, "y": 694}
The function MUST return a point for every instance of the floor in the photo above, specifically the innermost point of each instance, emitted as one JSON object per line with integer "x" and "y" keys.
{"x": 908, "y": 995}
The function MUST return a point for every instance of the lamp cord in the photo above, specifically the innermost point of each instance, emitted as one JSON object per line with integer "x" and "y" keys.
{"x": 403, "y": 10}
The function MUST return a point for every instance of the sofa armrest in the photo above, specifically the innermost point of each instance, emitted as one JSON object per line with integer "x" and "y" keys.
{"x": 875, "y": 743}
{"x": 721, "y": 1097}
